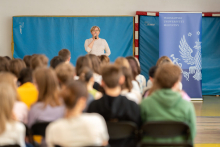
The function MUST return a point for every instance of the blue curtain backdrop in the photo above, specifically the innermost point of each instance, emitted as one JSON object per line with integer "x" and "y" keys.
{"x": 48, "y": 35}
{"x": 149, "y": 50}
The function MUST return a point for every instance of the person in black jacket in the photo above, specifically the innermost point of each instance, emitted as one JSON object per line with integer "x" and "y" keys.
{"x": 113, "y": 106}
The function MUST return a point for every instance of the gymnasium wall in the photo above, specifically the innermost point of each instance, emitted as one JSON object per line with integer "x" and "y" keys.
{"x": 9, "y": 8}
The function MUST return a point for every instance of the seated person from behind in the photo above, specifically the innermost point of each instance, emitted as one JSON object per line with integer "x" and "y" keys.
{"x": 76, "y": 128}
{"x": 165, "y": 102}
{"x": 65, "y": 55}
{"x": 113, "y": 106}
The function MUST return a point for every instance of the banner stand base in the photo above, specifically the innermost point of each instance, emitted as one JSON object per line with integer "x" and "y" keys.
{"x": 196, "y": 99}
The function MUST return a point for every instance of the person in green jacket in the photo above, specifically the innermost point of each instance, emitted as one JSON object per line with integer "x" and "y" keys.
{"x": 165, "y": 102}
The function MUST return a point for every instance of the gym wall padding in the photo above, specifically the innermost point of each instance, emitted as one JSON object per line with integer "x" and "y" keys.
{"x": 149, "y": 50}
{"x": 48, "y": 35}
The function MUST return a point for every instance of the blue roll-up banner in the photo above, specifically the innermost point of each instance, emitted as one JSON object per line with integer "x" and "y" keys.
{"x": 180, "y": 38}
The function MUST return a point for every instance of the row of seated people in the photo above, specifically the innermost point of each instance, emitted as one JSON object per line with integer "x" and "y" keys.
{"x": 79, "y": 101}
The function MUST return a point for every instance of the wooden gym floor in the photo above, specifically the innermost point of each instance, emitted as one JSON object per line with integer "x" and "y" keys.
{"x": 208, "y": 122}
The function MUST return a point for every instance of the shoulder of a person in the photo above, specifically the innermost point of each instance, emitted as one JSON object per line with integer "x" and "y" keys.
{"x": 87, "y": 40}
{"x": 92, "y": 118}
{"x": 19, "y": 126}
{"x": 20, "y": 104}
{"x": 56, "y": 123}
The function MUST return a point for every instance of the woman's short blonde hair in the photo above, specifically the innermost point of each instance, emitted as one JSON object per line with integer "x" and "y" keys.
{"x": 93, "y": 28}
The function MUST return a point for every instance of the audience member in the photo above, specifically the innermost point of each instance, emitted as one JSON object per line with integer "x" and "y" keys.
{"x": 16, "y": 65}
{"x": 56, "y": 61}
{"x": 77, "y": 128}
{"x": 27, "y": 61}
{"x": 163, "y": 59}
{"x": 86, "y": 75}
{"x": 113, "y": 106}
{"x": 49, "y": 106}
{"x": 27, "y": 91}
{"x": 65, "y": 72}
{"x": 38, "y": 61}
{"x": 11, "y": 131}
{"x": 20, "y": 109}
{"x": 165, "y": 102}
{"x": 4, "y": 64}
{"x": 127, "y": 90}
{"x": 151, "y": 74}
{"x": 135, "y": 72}
{"x": 8, "y": 58}
{"x": 65, "y": 54}
{"x": 104, "y": 60}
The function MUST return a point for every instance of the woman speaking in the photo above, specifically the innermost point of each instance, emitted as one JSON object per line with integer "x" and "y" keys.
{"x": 96, "y": 45}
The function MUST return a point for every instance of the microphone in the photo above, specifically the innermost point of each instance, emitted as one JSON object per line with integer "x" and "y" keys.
{"x": 95, "y": 36}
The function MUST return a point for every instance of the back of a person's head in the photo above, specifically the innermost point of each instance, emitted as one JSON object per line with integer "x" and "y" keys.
{"x": 16, "y": 65}
{"x": 152, "y": 71}
{"x": 110, "y": 75}
{"x": 85, "y": 74}
{"x": 25, "y": 76}
{"x": 162, "y": 60}
{"x": 95, "y": 63}
{"x": 56, "y": 61}
{"x": 64, "y": 54}
{"x": 8, "y": 58}
{"x": 47, "y": 85}
{"x": 65, "y": 72}
{"x": 83, "y": 61}
{"x": 4, "y": 64}
{"x": 73, "y": 91}
{"x": 166, "y": 76}
{"x": 128, "y": 78}
{"x": 134, "y": 66}
{"x": 11, "y": 79}
{"x": 121, "y": 61}
{"x": 27, "y": 61}
{"x": 104, "y": 59}
{"x": 7, "y": 99}
{"x": 38, "y": 61}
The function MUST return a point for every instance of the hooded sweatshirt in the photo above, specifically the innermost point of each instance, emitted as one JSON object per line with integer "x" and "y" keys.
{"x": 167, "y": 105}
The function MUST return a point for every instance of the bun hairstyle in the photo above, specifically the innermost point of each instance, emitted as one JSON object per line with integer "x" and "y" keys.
{"x": 85, "y": 74}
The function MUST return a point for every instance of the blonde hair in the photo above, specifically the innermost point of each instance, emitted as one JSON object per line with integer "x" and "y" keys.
{"x": 93, "y": 28}
{"x": 163, "y": 59}
{"x": 47, "y": 84}
{"x": 122, "y": 62}
{"x": 7, "y": 99}
{"x": 38, "y": 61}
{"x": 165, "y": 77}
{"x": 10, "y": 78}
{"x": 65, "y": 72}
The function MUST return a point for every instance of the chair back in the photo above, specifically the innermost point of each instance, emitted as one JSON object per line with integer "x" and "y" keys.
{"x": 39, "y": 128}
{"x": 166, "y": 129}
{"x": 120, "y": 130}
{"x": 15, "y": 145}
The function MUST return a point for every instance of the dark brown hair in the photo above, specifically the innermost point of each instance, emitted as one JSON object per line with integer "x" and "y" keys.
{"x": 25, "y": 75}
{"x": 38, "y": 61}
{"x": 111, "y": 75}
{"x": 166, "y": 76}
{"x": 47, "y": 84}
{"x": 82, "y": 62}
{"x": 95, "y": 63}
{"x": 128, "y": 78}
{"x": 56, "y": 61}
{"x": 27, "y": 60}
{"x": 4, "y": 64}
{"x": 65, "y": 54}
{"x": 134, "y": 66}
{"x": 16, "y": 65}
{"x": 73, "y": 91}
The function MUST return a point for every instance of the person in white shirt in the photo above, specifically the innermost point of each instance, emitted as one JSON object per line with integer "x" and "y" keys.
{"x": 76, "y": 128}
{"x": 96, "y": 45}
{"x": 11, "y": 131}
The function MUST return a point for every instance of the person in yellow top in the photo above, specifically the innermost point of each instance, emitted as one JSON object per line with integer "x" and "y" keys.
{"x": 27, "y": 91}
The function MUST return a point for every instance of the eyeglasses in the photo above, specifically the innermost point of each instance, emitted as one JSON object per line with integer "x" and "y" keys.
{"x": 95, "y": 30}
